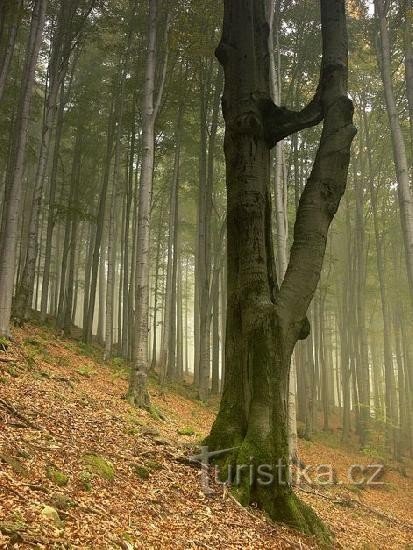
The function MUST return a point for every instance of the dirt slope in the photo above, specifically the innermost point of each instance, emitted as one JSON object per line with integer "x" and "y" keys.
{"x": 80, "y": 468}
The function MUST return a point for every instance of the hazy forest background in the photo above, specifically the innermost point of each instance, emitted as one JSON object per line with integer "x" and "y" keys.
{"x": 113, "y": 201}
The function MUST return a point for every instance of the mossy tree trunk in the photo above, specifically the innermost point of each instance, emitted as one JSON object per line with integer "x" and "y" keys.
{"x": 264, "y": 322}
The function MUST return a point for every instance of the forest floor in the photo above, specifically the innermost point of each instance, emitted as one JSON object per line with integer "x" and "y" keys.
{"x": 80, "y": 468}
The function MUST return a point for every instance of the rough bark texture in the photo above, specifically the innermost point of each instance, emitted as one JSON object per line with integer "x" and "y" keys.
{"x": 264, "y": 322}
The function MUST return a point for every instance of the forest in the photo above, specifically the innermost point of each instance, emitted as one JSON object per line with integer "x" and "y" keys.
{"x": 206, "y": 274}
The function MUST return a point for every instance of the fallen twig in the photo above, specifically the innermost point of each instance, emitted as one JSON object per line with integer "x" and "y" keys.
{"x": 19, "y": 415}
{"x": 355, "y": 502}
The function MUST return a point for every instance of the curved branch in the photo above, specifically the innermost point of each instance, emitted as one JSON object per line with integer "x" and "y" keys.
{"x": 280, "y": 122}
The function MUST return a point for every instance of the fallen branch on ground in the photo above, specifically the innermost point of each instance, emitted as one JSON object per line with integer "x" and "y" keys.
{"x": 18, "y": 415}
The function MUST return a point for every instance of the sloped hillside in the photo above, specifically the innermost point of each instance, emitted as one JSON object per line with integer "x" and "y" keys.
{"x": 80, "y": 468}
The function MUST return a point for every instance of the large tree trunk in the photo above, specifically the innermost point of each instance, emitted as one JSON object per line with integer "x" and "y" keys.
{"x": 264, "y": 322}
{"x": 11, "y": 206}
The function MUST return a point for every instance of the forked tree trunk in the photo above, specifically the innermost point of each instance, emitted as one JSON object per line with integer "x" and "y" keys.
{"x": 264, "y": 322}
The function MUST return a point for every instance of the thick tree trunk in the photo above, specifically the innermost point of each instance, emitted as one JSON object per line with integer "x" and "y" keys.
{"x": 264, "y": 322}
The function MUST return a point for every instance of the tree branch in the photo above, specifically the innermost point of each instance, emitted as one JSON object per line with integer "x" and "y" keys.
{"x": 322, "y": 194}
{"x": 280, "y": 122}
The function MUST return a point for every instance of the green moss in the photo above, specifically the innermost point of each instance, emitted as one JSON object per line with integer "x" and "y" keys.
{"x": 13, "y": 371}
{"x": 57, "y": 476}
{"x": 98, "y": 465}
{"x": 153, "y": 465}
{"x": 86, "y": 349}
{"x": 85, "y": 479}
{"x": 85, "y": 371}
{"x": 12, "y": 528}
{"x": 156, "y": 413}
{"x": 33, "y": 342}
{"x": 130, "y": 430}
{"x": 4, "y": 343}
{"x": 186, "y": 431}
{"x": 141, "y": 471}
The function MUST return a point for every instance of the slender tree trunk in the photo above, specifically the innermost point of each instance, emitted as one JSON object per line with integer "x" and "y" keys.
{"x": 387, "y": 351}
{"x": 399, "y": 148}
{"x": 408, "y": 60}
{"x": 11, "y": 206}
{"x": 59, "y": 61}
{"x": 51, "y": 217}
{"x": 7, "y": 55}
{"x": 168, "y": 342}
{"x": 137, "y": 392}
{"x": 96, "y": 264}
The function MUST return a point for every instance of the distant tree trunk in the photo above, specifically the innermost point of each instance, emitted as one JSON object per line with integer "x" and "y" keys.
{"x": 264, "y": 322}
{"x": 186, "y": 331}
{"x": 206, "y": 182}
{"x": 126, "y": 238}
{"x": 137, "y": 392}
{"x": 280, "y": 197}
{"x": 51, "y": 217}
{"x": 399, "y": 148}
{"x": 179, "y": 324}
{"x": 74, "y": 227}
{"x": 363, "y": 366}
{"x": 215, "y": 337}
{"x": 408, "y": 60}
{"x": 102, "y": 288}
{"x": 110, "y": 273}
{"x": 96, "y": 264}
{"x": 387, "y": 351}
{"x": 172, "y": 341}
{"x": 203, "y": 245}
{"x": 168, "y": 342}
{"x": 12, "y": 199}
{"x": 156, "y": 288}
